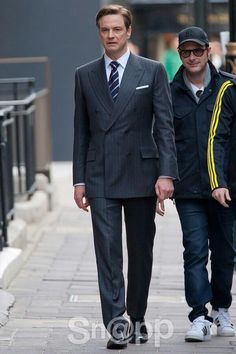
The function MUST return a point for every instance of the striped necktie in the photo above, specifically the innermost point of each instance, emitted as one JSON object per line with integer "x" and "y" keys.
{"x": 114, "y": 80}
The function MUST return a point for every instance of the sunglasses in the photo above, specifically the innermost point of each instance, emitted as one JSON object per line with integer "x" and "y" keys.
{"x": 198, "y": 52}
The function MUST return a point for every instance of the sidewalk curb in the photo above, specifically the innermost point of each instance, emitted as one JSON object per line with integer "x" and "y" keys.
{"x": 13, "y": 258}
{"x": 7, "y": 300}
{"x": 32, "y": 218}
{"x": 17, "y": 234}
{"x": 10, "y": 262}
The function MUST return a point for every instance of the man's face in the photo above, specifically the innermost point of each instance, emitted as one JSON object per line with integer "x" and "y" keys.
{"x": 114, "y": 35}
{"x": 196, "y": 62}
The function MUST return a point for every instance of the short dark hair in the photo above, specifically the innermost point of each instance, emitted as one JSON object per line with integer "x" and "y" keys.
{"x": 115, "y": 10}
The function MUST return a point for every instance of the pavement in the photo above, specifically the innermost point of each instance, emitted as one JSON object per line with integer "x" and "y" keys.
{"x": 57, "y": 306}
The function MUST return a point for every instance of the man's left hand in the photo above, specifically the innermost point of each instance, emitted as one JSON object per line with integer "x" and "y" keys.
{"x": 222, "y": 196}
{"x": 164, "y": 188}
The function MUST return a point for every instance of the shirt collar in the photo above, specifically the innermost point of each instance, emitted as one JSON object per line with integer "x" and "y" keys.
{"x": 207, "y": 78}
{"x": 122, "y": 60}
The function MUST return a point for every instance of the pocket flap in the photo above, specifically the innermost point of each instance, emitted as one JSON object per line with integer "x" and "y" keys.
{"x": 182, "y": 111}
{"x": 149, "y": 153}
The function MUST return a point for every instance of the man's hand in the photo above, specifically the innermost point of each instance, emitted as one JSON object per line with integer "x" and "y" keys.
{"x": 221, "y": 195}
{"x": 79, "y": 197}
{"x": 160, "y": 207}
{"x": 164, "y": 188}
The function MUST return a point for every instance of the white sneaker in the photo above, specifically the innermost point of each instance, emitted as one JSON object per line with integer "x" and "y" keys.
{"x": 225, "y": 327}
{"x": 199, "y": 331}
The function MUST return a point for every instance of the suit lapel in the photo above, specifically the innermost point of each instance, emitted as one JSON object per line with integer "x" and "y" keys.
{"x": 132, "y": 75}
{"x": 99, "y": 84}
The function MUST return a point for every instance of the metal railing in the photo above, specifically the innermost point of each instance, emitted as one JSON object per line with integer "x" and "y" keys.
{"x": 14, "y": 91}
{"x": 23, "y": 145}
{"x": 16, "y": 88}
{"x": 43, "y": 145}
{"x": 6, "y": 176}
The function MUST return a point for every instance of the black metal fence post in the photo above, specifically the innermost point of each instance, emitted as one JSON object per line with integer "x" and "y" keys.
{"x": 6, "y": 180}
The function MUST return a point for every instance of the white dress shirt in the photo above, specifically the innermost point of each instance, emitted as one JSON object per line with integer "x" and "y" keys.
{"x": 195, "y": 89}
{"x": 121, "y": 68}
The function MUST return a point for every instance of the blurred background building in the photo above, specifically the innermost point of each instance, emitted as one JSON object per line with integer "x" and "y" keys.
{"x": 65, "y": 33}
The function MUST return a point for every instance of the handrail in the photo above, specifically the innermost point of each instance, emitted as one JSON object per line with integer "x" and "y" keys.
{"x": 7, "y": 122}
{"x": 17, "y": 80}
{"x": 32, "y": 60}
{"x": 23, "y": 60}
{"x": 5, "y": 110}
{"x": 42, "y": 92}
{"x": 21, "y": 102}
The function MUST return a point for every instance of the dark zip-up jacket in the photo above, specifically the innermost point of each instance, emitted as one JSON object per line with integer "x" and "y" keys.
{"x": 222, "y": 140}
{"x": 192, "y": 123}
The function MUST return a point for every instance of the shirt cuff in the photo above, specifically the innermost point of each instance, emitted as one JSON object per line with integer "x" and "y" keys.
{"x": 166, "y": 177}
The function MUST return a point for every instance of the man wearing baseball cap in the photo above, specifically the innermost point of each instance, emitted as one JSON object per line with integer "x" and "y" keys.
{"x": 206, "y": 225}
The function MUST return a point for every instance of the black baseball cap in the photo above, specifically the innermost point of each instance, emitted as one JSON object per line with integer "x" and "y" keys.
{"x": 193, "y": 34}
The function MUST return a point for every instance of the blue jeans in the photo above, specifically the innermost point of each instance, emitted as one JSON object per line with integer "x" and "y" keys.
{"x": 233, "y": 206}
{"x": 207, "y": 225}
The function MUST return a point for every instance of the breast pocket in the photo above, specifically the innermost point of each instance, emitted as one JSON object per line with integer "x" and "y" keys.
{"x": 184, "y": 123}
{"x": 143, "y": 91}
{"x": 181, "y": 112}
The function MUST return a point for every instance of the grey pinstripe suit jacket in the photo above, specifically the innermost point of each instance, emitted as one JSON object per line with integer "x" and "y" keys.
{"x": 121, "y": 148}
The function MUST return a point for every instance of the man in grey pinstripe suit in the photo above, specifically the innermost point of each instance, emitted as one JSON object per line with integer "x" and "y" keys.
{"x": 124, "y": 158}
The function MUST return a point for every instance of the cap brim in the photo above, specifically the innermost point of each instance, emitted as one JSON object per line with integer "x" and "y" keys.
{"x": 192, "y": 40}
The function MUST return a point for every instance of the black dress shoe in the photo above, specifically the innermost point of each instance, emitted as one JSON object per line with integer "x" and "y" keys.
{"x": 120, "y": 342}
{"x": 138, "y": 332}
